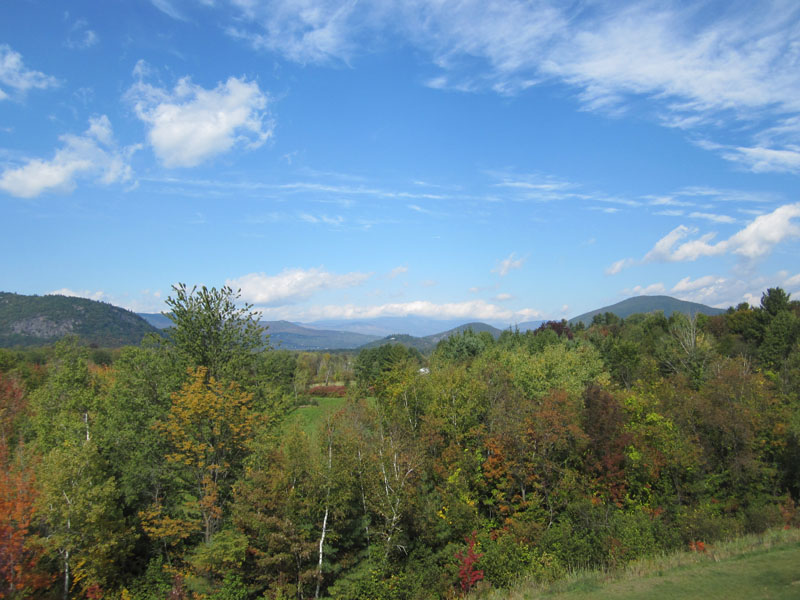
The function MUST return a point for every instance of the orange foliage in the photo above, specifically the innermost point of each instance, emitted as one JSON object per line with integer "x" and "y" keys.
{"x": 18, "y": 557}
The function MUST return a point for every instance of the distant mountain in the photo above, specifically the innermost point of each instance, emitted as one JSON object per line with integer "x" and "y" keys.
{"x": 422, "y": 344}
{"x": 42, "y": 320}
{"x": 291, "y": 336}
{"x": 528, "y": 325}
{"x": 157, "y": 320}
{"x": 648, "y": 304}
{"x": 384, "y": 326}
{"x": 476, "y": 327}
{"x": 429, "y": 342}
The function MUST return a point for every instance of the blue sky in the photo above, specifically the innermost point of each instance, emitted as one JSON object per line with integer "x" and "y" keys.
{"x": 503, "y": 161}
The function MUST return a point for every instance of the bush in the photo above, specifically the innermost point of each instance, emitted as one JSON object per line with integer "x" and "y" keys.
{"x": 328, "y": 391}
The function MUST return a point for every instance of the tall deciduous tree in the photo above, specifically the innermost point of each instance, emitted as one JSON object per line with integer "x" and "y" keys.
{"x": 211, "y": 331}
{"x": 208, "y": 427}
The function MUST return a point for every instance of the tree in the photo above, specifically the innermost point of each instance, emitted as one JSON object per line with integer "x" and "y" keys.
{"x": 19, "y": 572}
{"x": 81, "y": 520}
{"x": 210, "y": 331}
{"x": 208, "y": 427}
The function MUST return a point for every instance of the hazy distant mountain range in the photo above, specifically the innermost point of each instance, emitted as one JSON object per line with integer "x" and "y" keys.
{"x": 41, "y": 320}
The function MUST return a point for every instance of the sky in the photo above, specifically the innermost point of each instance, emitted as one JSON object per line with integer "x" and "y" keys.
{"x": 503, "y": 161}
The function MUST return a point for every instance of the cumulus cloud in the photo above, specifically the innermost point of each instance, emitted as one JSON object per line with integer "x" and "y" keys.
{"x": 473, "y": 309}
{"x": 190, "y": 124}
{"x": 292, "y": 285}
{"x": 15, "y": 75}
{"x": 756, "y": 240}
{"x": 93, "y": 154}
{"x": 507, "y": 264}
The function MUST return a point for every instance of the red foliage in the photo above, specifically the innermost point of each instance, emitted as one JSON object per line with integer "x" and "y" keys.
{"x": 467, "y": 572}
{"x": 18, "y": 561}
{"x": 12, "y": 404}
{"x": 697, "y": 547}
{"x": 328, "y": 391}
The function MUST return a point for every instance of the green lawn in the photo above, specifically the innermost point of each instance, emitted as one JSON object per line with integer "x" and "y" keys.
{"x": 755, "y": 567}
{"x": 310, "y": 416}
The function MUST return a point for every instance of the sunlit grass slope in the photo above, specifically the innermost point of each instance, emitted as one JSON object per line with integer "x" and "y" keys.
{"x": 763, "y": 567}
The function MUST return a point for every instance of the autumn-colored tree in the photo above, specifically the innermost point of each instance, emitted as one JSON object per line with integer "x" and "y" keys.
{"x": 19, "y": 558}
{"x": 604, "y": 423}
{"x": 208, "y": 427}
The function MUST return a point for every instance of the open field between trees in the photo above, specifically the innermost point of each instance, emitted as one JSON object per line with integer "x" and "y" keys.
{"x": 757, "y": 566}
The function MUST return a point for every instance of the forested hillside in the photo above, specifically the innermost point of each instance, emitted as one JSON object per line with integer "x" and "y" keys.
{"x": 647, "y": 304}
{"x": 40, "y": 320}
{"x": 179, "y": 472}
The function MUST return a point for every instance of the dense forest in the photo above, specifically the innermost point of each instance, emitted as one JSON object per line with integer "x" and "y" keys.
{"x": 177, "y": 468}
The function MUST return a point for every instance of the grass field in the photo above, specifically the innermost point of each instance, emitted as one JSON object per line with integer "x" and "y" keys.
{"x": 753, "y": 567}
{"x": 310, "y": 416}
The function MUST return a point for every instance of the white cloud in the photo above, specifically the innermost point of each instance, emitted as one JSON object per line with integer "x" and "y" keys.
{"x": 507, "y": 264}
{"x": 474, "y": 309}
{"x": 503, "y": 297}
{"x": 712, "y": 217}
{"x": 766, "y": 231}
{"x": 14, "y": 74}
{"x": 755, "y": 241}
{"x": 191, "y": 124}
{"x": 98, "y": 295}
{"x": 792, "y": 282}
{"x": 742, "y": 57}
{"x": 687, "y": 285}
{"x": 766, "y": 160}
{"x": 80, "y": 36}
{"x": 92, "y": 154}
{"x": 325, "y": 219}
{"x": 168, "y": 9}
{"x": 305, "y": 31}
{"x": 619, "y": 266}
{"x": 397, "y": 271}
{"x": 652, "y": 289}
{"x": 663, "y": 246}
{"x": 291, "y": 285}
{"x": 144, "y": 301}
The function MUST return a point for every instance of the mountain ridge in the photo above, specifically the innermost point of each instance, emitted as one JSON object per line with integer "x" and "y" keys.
{"x": 29, "y": 321}
{"x": 648, "y": 304}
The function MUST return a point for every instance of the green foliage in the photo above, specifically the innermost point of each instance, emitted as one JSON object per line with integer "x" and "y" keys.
{"x": 41, "y": 320}
{"x": 210, "y": 331}
{"x": 563, "y": 449}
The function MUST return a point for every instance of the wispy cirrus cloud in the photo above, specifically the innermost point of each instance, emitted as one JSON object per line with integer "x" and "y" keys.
{"x": 508, "y": 264}
{"x": 94, "y": 154}
{"x": 698, "y": 65}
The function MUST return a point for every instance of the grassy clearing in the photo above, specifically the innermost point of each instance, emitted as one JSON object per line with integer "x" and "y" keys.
{"x": 309, "y": 416}
{"x": 763, "y": 566}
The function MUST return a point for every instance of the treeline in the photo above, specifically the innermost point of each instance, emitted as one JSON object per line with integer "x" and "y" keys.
{"x": 174, "y": 470}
